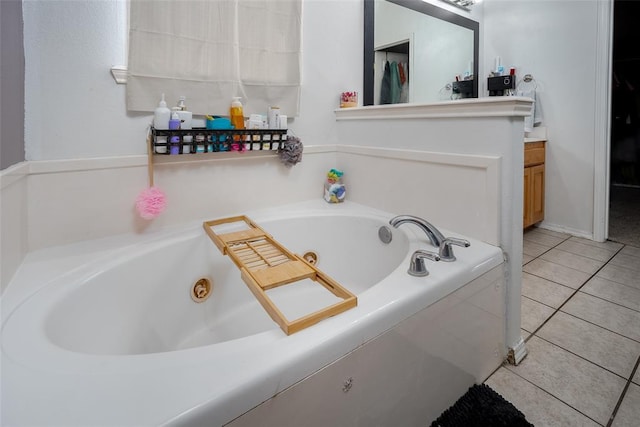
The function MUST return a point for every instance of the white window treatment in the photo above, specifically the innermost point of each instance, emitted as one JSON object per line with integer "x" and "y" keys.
{"x": 213, "y": 50}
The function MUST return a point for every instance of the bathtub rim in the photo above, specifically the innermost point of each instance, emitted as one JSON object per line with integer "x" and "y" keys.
{"x": 257, "y": 385}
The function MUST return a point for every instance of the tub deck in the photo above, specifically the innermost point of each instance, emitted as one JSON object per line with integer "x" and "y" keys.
{"x": 45, "y": 384}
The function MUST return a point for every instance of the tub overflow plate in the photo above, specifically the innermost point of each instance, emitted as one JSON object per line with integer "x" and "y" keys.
{"x": 385, "y": 235}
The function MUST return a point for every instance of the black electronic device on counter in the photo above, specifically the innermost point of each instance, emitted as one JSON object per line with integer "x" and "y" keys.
{"x": 463, "y": 88}
{"x": 499, "y": 85}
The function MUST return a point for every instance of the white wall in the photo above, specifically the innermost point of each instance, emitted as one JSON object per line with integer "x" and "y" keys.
{"x": 75, "y": 110}
{"x": 555, "y": 41}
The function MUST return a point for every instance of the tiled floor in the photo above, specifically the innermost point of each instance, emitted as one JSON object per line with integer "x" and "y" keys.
{"x": 581, "y": 323}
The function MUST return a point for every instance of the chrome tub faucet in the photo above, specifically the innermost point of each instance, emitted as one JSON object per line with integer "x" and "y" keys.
{"x": 437, "y": 239}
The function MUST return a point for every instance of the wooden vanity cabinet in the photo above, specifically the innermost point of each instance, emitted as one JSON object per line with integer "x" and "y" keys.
{"x": 534, "y": 154}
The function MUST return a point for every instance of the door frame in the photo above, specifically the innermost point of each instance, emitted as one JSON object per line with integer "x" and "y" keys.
{"x": 602, "y": 120}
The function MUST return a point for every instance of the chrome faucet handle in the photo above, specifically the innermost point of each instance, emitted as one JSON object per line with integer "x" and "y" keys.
{"x": 446, "y": 251}
{"x": 417, "y": 267}
{"x": 433, "y": 234}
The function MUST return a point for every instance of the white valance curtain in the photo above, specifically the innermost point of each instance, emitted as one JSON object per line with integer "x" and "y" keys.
{"x": 213, "y": 50}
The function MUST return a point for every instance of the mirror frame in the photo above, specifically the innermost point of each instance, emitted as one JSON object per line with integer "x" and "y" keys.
{"x": 418, "y": 6}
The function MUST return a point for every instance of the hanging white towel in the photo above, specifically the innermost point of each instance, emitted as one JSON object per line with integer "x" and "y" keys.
{"x": 537, "y": 114}
{"x": 529, "y": 92}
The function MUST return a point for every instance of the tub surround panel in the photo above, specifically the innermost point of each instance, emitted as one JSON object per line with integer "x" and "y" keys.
{"x": 77, "y": 200}
{"x": 458, "y": 192}
{"x": 13, "y": 222}
{"x": 398, "y": 378}
{"x": 13, "y": 174}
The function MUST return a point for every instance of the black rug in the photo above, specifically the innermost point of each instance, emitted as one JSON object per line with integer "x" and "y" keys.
{"x": 481, "y": 406}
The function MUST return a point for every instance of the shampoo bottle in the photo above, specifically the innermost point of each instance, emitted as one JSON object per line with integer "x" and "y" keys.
{"x": 236, "y": 114}
{"x": 161, "y": 115}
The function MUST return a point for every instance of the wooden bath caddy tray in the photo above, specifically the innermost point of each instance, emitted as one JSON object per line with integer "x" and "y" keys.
{"x": 265, "y": 264}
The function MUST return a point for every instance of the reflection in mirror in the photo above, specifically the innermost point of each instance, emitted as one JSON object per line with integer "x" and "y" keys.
{"x": 414, "y": 50}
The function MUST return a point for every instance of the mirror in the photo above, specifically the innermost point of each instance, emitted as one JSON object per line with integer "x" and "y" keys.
{"x": 432, "y": 46}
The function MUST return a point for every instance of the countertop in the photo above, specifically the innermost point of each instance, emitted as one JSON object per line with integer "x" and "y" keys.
{"x": 532, "y": 139}
{"x": 539, "y": 134}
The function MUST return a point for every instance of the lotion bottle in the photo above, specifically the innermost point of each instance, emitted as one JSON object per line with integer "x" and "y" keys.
{"x": 161, "y": 115}
{"x": 174, "y": 123}
{"x": 236, "y": 114}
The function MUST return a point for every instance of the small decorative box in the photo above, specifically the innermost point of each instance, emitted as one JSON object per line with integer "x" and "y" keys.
{"x": 348, "y": 99}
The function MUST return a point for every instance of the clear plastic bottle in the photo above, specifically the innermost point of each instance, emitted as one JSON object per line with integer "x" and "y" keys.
{"x": 236, "y": 114}
{"x": 161, "y": 115}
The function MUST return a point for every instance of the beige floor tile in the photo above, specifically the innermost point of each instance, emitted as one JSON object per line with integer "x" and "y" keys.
{"x": 525, "y": 334}
{"x": 556, "y": 273}
{"x": 536, "y": 236}
{"x": 582, "y": 385}
{"x": 545, "y": 291}
{"x": 615, "y": 292}
{"x": 577, "y": 262}
{"x": 539, "y": 407}
{"x": 626, "y": 261}
{"x": 628, "y": 414}
{"x": 631, "y": 250}
{"x": 636, "y": 377}
{"x": 534, "y": 249}
{"x": 551, "y": 232}
{"x": 621, "y": 275}
{"x": 608, "y": 244}
{"x": 526, "y": 258}
{"x": 534, "y": 314}
{"x": 598, "y": 345}
{"x": 590, "y": 251}
{"x": 610, "y": 316}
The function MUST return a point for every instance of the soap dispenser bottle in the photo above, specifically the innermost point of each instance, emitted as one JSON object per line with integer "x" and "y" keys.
{"x": 186, "y": 117}
{"x": 236, "y": 114}
{"x": 161, "y": 115}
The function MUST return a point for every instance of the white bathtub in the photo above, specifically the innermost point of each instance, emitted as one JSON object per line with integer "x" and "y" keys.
{"x": 106, "y": 333}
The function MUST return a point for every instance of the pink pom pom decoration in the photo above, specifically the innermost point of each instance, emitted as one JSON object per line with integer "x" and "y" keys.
{"x": 151, "y": 202}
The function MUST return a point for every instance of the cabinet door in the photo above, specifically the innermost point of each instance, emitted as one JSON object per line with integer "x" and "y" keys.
{"x": 537, "y": 193}
{"x": 526, "y": 211}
